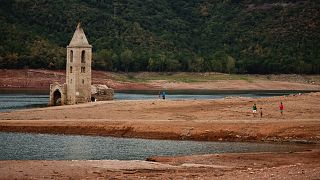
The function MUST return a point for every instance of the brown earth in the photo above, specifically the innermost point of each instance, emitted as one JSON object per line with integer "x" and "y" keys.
{"x": 228, "y": 119}
{"x": 291, "y": 166}
{"x": 41, "y": 79}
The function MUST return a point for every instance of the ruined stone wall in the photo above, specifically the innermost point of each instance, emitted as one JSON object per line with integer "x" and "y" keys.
{"x": 62, "y": 89}
{"x": 101, "y": 92}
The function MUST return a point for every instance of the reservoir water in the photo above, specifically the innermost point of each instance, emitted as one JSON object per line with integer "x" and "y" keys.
{"x": 20, "y": 146}
{"x": 12, "y": 100}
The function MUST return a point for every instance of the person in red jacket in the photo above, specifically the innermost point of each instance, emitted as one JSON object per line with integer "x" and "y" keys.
{"x": 281, "y": 108}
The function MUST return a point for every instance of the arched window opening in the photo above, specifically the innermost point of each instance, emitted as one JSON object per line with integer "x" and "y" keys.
{"x": 82, "y": 81}
{"x": 70, "y": 69}
{"x": 83, "y": 69}
{"x": 71, "y": 56}
{"x": 83, "y": 56}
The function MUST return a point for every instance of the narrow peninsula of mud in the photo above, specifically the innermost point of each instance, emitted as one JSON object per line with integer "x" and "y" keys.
{"x": 228, "y": 119}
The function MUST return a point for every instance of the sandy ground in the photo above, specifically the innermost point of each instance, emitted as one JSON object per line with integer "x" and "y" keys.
{"x": 295, "y": 165}
{"x": 228, "y": 119}
{"x": 237, "y": 85}
{"x": 225, "y": 119}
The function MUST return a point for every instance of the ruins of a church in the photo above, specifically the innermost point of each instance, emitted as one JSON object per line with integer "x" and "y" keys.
{"x": 78, "y": 88}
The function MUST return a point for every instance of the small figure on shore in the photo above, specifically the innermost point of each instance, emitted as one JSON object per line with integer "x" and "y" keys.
{"x": 281, "y": 108}
{"x": 254, "y": 110}
{"x": 159, "y": 94}
{"x": 260, "y": 112}
{"x": 163, "y": 95}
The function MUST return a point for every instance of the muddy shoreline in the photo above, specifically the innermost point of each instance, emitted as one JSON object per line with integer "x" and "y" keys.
{"x": 228, "y": 119}
{"x": 41, "y": 79}
{"x": 293, "y": 165}
{"x": 226, "y": 132}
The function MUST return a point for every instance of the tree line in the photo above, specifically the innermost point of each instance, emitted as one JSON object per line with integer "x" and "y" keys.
{"x": 231, "y": 36}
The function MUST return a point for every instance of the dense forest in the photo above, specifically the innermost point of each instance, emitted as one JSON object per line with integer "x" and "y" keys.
{"x": 231, "y": 36}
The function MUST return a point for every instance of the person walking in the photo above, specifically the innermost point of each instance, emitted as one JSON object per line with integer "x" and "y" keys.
{"x": 281, "y": 107}
{"x": 163, "y": 95}
{"x": 254, "y": 110}
{"x": 260, "y": 112}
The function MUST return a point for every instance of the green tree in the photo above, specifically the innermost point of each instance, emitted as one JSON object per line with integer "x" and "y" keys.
{"x": 126, "y": 59}
{"x": 216, "y": 65}
{"x": 231, "y": 64}
{"x": 197, "y": 64}
{"x": 279, "y": 39}
{"x": 173, "y": 65}
{"x": 103, "y": 60}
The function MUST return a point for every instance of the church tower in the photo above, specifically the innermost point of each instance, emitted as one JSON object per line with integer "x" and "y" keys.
{"x": 78, "y": 72}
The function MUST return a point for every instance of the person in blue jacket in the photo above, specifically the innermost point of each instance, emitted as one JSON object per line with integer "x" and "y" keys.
{"x": 163, "y": 95}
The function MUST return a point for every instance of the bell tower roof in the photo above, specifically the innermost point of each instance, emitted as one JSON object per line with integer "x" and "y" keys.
{"x": 79, "y": 39}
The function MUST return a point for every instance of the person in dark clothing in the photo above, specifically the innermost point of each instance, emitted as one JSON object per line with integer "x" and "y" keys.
{"x": 163, "y": 95}
{"x": 254, "y": 110}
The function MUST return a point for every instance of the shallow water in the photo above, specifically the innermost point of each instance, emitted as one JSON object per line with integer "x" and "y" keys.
{"x": 134, "y": 95}
{"x": 11, "y": 100}
{"x": 20, "y": 146}
{"x": 22, "y": 101}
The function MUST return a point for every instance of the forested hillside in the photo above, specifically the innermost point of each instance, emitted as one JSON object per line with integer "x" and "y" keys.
{"x": 238, "y": 36}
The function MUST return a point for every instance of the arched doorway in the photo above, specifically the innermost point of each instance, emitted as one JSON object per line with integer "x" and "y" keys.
{"x": 57, "y": 98}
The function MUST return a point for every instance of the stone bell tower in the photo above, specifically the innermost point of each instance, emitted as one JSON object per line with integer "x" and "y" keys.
{"x": 78, "y": 68}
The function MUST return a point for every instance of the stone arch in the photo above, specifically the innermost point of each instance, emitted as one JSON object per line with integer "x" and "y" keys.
{"x": 57, "y": 94}
{"x": 57, "y": 98}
